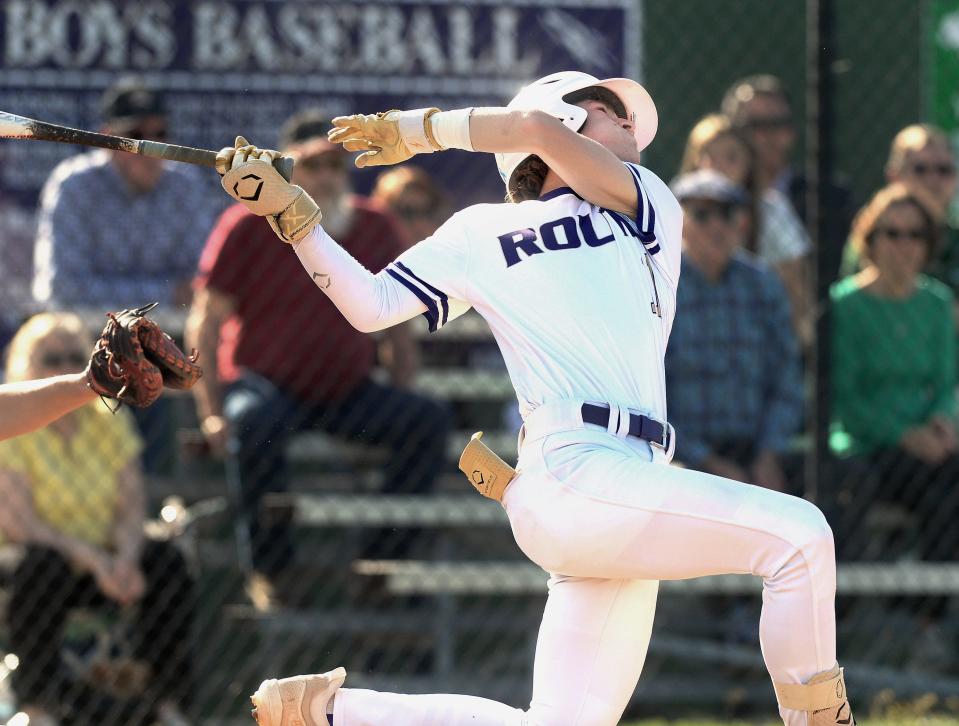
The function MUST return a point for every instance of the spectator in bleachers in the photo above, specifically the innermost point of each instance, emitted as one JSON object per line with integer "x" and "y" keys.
{"x": 894, "y": 370}
{"x": 921, "y": 158}
{"x": 732, "y": 366}
{"x": 117, "y": 227}
{"x": 17, "y": 233}
{"x": 420, "y": 206}
{"x": 414, "y": 198}
{"x": 73, "y": 496}
{"x": 279, "y": 359}
{"x": 777, "y": 235}
{"x": 761, "y": 107}
{"x": 117, "y": 230}
{"x": 713, "y": 143}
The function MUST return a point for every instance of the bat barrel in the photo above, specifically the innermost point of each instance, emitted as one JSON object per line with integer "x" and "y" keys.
{"x": 20, "y": 127}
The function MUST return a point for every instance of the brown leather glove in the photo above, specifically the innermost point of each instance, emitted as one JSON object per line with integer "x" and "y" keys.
{"x": 134, "y": 359}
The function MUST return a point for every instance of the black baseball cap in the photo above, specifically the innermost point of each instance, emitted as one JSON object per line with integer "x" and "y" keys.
{"x": 708, "y": 185}
{"x": 128, "y": 101}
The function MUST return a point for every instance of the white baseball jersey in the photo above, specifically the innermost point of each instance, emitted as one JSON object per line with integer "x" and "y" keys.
{"x": 580, "y": 299}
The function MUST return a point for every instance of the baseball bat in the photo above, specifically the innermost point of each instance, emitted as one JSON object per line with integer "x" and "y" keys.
{"x": 20, "y": 127}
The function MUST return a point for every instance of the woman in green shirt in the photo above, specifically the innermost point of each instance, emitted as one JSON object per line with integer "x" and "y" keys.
{"x": 894, "y": 367}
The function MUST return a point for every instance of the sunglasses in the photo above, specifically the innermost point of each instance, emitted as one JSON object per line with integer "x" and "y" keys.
{"x": 898, "y": 234}
{"x": 704, "y": 213}
{"x": 769, "y": 122}
{"x": 63, "y": 360}
{"x": 944, "y": 169}
{"x": 159, "y": 134}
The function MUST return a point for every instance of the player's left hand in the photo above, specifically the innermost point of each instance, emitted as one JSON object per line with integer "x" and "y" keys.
{"x": 385, "y": 138}
{"x": 251, "y": 179}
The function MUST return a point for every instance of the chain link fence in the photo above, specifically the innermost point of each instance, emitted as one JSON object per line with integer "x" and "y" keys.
{"x": 301, "y": 509}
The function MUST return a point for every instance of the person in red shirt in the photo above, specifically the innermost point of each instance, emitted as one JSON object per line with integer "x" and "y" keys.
{"x": 281, "y": 359}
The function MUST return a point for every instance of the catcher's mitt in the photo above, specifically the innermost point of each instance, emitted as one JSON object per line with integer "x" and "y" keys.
{"x": 134, "y": 359}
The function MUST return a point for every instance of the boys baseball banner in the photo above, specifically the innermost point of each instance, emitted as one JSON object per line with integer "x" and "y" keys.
{"x": 210, "y": 57}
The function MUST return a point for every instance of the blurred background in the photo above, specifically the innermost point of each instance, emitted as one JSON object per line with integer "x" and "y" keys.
{"x": 301, "y": 508}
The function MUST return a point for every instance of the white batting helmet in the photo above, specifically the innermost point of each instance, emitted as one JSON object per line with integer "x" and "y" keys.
{"x": 547, "y": 95}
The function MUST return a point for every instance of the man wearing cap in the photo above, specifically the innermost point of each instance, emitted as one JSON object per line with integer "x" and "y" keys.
{"x": 733, "y": 377}
{"x": 279, "y": 358}
{"x": 118, "y": 229}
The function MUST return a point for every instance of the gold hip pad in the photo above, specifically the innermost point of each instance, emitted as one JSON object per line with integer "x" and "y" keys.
{"x": 488, "y": 473}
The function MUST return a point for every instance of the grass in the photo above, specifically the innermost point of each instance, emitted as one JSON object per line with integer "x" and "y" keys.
{"x": 890, "y": 721}
{"x": 882, "y": 710}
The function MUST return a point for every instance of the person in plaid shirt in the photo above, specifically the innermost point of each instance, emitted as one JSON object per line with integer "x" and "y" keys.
{"x": 733, "y": 371}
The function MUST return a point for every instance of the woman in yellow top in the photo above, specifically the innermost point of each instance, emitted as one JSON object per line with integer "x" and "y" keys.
{"x": 73, "y": 495}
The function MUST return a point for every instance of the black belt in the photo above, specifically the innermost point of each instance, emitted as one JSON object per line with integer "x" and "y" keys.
{"x": 642, "y": 427}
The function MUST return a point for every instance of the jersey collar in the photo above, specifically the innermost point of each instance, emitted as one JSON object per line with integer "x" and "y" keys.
{"x": 558, "y": 192}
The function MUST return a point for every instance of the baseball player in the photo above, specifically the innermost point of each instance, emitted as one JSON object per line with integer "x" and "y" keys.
{"x": 576, "y": 277}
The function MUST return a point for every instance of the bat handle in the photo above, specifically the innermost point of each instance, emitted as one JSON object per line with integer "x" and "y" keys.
{"x": 201, "y": 157}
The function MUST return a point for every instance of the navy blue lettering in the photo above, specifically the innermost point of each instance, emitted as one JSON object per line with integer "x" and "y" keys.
{"x": 513, "y": 242}
{"x": 548, "y": 234}
{"x": 589, "y": 234}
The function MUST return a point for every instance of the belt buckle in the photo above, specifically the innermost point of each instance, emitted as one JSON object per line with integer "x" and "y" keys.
{"x": 663, "y": 443}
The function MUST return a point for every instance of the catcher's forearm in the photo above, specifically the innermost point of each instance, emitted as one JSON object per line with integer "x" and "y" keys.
{"x": 29, "y": 405}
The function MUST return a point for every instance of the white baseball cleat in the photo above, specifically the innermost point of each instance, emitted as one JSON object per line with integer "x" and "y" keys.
{"x": 288, "y": 701}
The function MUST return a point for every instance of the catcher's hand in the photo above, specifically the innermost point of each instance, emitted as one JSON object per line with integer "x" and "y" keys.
{"x": 134, "y": 359}
{"x": 250, "y": 178}
{"x": 385, "y": 138}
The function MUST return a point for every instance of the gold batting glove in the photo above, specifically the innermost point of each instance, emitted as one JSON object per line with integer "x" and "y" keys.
{"x": 249, "y": 177}
{"x": 385, "y": 138}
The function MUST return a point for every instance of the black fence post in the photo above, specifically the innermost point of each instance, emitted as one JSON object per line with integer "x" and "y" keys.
{"x": 820, "y": 55}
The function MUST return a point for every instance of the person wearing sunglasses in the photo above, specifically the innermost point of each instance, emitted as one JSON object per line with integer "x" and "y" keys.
{"x": 760, "y": 106}
{"x": 115, "y": 227}
{"x": 288, "y": 362}
{"x": 732, "y": 366}
{"x": 773, "y": 231}
{"x": 760, "y": 109}
{"x": 922, "y": 158}
{"x": 73, "y": 497}
{"x": 894, "y": 369}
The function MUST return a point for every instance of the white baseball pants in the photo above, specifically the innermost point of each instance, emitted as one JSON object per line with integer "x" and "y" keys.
{"x": 608, "y": 516}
